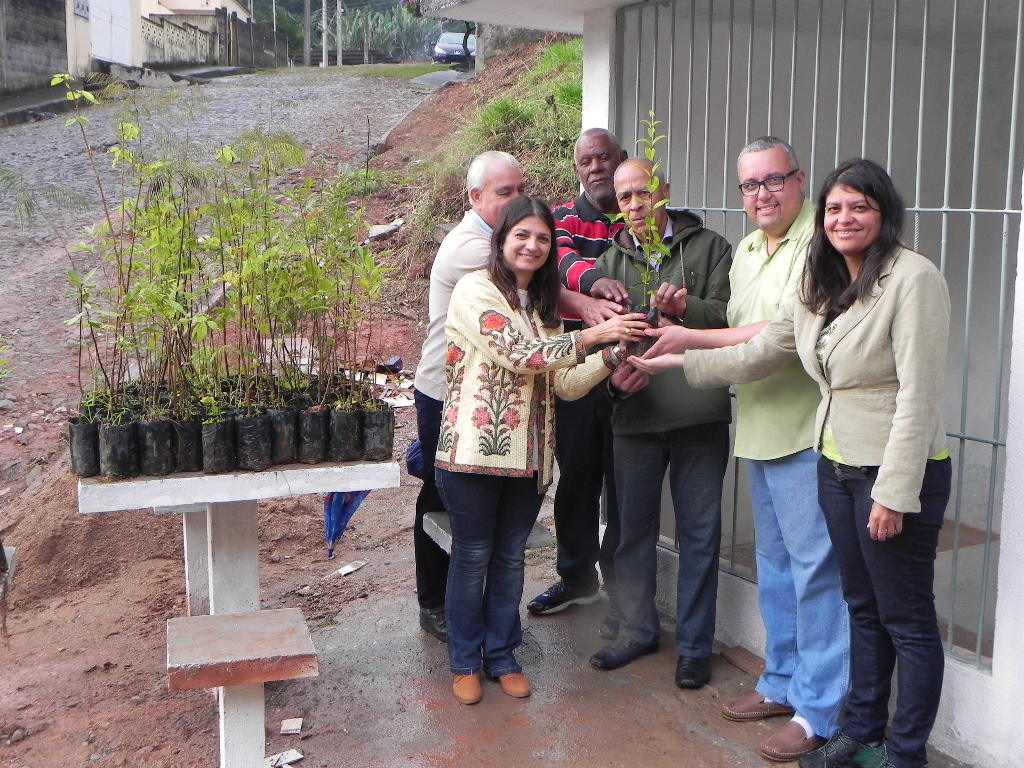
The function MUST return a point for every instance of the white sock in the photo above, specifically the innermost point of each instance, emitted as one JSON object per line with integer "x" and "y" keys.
{"x": 803, "y": 723}
{"x": 768, "y": 701}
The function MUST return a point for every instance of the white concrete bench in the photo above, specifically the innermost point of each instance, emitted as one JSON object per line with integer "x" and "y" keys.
{"x": 237, "y": 653}
{"x": 438, "y": 527}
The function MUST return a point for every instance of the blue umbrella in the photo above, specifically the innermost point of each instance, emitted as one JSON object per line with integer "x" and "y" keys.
{"x": 339, "y": 507}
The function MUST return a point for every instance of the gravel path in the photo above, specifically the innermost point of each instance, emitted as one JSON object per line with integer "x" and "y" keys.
{"x": 323, "y": 109}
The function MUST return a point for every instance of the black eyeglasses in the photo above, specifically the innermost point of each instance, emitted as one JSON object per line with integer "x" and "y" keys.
{"x": 772, "y": 184}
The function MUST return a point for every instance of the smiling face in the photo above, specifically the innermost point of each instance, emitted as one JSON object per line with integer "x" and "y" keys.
{"x": 527, "y": 246}
{"x": 595, "y": 159}
{"x": 852, "y": 221}
{"x": 502, "y": 184}
{"x": 771, "y": 212}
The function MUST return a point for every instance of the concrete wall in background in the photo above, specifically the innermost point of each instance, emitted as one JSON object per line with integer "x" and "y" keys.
{"x": 33, "y": 43}
{"x": 167, "y": 41}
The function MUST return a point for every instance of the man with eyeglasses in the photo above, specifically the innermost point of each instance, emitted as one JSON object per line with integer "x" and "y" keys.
{"x": 806, "y": 623}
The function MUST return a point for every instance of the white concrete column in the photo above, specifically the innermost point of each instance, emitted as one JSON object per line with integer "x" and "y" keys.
{"x": 135, "y": 22}
{"x": 598, "y": 67}
{"x": 1007, "y": 660}
{"x": 197, "y": 561}
{"x": 978, "y": 716}
{"x": 242, "y": 732}
{"x": 233, "y": 553}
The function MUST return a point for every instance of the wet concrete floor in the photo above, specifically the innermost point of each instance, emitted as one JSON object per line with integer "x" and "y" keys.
{"x": 383, "y": 699}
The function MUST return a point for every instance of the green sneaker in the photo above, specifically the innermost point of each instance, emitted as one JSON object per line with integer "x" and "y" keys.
{"x": 871, "y": 757}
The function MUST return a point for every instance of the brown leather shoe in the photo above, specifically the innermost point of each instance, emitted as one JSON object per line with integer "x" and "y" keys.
{"x": 789, "y": 743}
{"x": 467, "y": 688}
{"x": 515, "y": 684}
{"x": 754, "y": 707}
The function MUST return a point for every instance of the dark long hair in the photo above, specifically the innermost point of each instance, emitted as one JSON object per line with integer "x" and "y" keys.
{"x": 827, "y": 288}
{"x": 545, "y": 286}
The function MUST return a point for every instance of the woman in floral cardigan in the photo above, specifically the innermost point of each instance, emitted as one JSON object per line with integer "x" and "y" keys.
{"x": 507, "y": 359}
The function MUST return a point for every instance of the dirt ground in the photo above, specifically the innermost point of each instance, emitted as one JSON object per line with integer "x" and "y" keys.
{"x": 83, "y": 680}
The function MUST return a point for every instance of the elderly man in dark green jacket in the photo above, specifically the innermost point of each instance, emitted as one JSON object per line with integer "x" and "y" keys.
{"x": 662, "y": 424}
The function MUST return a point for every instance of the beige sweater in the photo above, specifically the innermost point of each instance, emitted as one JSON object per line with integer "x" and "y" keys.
{"x": 465, "y": 249}
{"x": 882, "y": 378}
{"x": 503, "y": 373}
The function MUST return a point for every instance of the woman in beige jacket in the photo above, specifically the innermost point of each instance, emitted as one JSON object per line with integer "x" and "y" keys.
{"x": 507, "y": 359}
{"x": 871, "y": 328}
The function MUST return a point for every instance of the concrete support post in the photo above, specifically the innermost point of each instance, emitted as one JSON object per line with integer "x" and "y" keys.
{"x": 1007, "y": 661}
{"x": 233, "y": 555}
{"x": 197, "y": 562}
{"x": 242, "y": 735}
{"x": 598, "y": 67}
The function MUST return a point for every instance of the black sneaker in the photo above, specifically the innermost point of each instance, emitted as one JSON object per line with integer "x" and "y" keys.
{"x": 838, "y": 752}
{"x": 558, "y": 597}
{"x": 433, "y": 622}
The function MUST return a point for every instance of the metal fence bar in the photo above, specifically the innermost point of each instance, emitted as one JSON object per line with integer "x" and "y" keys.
{"x": 922, "y": 82}
{"x": 792, "y": 69}
{"x": 728, "y": 102}
{"x": 771, "y": 72}
{"x": 671, "y": 94}
{"x": 867, "y": 79}
{"x": 839, "y": 84}
{"x": 689, "y": 89}
{"x": 892, "y": 81}
{"x": 817, "y": 87}
{"x": 707, "y": 109}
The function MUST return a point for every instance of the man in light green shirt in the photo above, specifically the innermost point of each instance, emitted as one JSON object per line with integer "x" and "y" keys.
{"x": 806, "y": 622}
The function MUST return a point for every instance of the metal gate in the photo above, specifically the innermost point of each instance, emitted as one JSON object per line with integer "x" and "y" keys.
{"x": 111, "y": 30}
{"x": 929, "y": 88}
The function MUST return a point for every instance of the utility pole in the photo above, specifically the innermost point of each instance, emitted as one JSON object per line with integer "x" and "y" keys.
{"x": 273, "y": 12}
{"x": 307, "y": 35}
{"x": 323, "y": 33}
{"x": 366, "y": 39}
{"x": 337, "y": 26}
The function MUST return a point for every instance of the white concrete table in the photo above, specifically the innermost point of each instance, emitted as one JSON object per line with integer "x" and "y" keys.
{"x": 219, "y": 521}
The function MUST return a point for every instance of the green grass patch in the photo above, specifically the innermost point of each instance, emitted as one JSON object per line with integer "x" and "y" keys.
{"x": 536, "y": 119}
{"x": 406, "y": 71}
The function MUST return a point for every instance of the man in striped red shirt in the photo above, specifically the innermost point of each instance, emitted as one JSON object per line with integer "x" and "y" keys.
{"x": 583, "y": 427}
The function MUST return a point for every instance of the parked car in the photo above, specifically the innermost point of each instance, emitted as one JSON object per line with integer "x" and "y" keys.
{"x": 449, "y": 47}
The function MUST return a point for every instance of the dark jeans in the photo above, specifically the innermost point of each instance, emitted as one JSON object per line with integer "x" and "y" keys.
{"x": 888, "y": 588}
{"x": 431, "y": 560}
{"x": 492, "y": 517}
{"x": 583, "y": 447}
{"x": 696, "y": 459}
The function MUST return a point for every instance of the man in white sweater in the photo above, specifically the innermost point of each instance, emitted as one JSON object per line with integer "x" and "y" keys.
{"x": 493, "y": 180}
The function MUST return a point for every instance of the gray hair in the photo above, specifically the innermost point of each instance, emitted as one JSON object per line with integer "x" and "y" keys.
{"x": 604, "y": 132}
{"x": 769, "y": 142}
{"x": 476, "y": 176}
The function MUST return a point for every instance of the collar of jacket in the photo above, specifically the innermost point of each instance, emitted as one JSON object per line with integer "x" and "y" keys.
{"x": 684, "y": 224}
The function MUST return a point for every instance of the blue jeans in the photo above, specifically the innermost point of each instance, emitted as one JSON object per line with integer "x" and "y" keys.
{"x": 431, "y": 560}
{"x": 888, "y": 588}
{"x": 807, "y": 644}
{"x": 492, "y": 517}
{"x": 696, "y": 459}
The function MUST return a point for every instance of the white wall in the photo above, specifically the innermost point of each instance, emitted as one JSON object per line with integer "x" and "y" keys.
{"x": 598, "y": 65}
